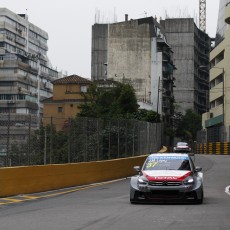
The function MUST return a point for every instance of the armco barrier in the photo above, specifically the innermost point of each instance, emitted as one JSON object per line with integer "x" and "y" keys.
{"x": 215, "y": 148}
{"x": 32, "y": 179}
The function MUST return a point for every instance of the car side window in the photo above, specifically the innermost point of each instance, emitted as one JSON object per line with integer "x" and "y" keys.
{"x": 192, "y": 165}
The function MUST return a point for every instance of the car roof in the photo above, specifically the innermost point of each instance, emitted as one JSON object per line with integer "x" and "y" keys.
{"x": 169, "y": 154}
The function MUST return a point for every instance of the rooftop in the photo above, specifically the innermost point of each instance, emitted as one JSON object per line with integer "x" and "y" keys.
{"x": 73, "y": 79}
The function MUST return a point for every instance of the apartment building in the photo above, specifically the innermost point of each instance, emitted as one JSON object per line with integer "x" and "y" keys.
{"x": 216, "y": 122}
{"x": 25, "y": 70}
{"x": 136, "y": 51}
{"x": 191, "y": 48}
{"x": 26, "y": 76}
{"x": 221, "y": 24}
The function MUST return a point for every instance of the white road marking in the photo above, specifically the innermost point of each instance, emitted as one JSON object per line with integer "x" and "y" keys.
{"x": 227, "y": 190}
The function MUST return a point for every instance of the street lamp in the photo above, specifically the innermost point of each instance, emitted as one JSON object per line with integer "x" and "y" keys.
{"x": 223, "y": 92}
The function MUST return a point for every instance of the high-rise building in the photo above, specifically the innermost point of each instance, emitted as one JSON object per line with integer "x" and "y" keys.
{"x": 221, "y": 25}
{"x": 191, "y": 47}
{"x": 25, "y": 78}
{"x": 136, "y": 51}
{"x": 25, "y": 70}
{"x": 216, "y": 122}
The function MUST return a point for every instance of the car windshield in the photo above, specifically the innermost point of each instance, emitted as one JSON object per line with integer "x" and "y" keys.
{"x": 167, "y": 163}
{"x": 182, "y": 144}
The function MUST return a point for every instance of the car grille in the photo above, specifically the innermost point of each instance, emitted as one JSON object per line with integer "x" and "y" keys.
{"x": 182, "y": 149}
{"x": 161, "y": 194}
{"x": 165, "y": 183}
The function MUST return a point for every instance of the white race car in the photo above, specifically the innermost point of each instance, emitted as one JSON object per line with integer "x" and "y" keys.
{"x": 167, "y": 177}
{"x": 182, "y": 147}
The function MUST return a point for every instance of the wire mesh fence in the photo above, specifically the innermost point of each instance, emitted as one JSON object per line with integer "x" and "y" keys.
{"x": 23, "y": 142}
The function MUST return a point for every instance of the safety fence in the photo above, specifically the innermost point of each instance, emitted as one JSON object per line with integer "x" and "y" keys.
{"x": 216, "y": 148}
{"x": 25, "y": 140}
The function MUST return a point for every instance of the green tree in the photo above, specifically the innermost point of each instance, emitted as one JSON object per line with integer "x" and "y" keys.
{"x": 145, "y": 115}
{"x": 115, "y": 102}
{"x": 188, "y": 126}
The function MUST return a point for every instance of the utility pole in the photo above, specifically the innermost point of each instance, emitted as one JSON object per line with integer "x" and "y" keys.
{"x": 38, "y": 90}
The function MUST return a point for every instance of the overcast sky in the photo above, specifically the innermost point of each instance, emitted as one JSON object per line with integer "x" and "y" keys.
{"x": 69, "y": 23}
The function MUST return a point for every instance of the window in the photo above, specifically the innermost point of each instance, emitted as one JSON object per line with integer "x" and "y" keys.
{"x": 60, "y": 109}
{"x": 217, "y": 59}
{"x": 83, "y": 88}
{"x": 6, "y": 83}
{"x": 216, "y": 81}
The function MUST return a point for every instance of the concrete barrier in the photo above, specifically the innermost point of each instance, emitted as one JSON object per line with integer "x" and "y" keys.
{"x": 215, "y": 148}
{"x": 164, "y": 149}
{"x": 32, "y": 179}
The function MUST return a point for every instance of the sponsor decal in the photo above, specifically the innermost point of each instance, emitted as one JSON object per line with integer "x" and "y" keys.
{"x": 165, "y": 158}
{"x": 166, "y": 178}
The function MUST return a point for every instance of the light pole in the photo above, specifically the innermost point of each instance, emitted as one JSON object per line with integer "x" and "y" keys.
{"x": 156, "y": 130}
{"x": 223, "y": 92}
{"x": 223, "y": 107}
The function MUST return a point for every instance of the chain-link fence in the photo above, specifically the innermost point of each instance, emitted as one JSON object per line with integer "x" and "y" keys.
{"x": 79, "y": 140}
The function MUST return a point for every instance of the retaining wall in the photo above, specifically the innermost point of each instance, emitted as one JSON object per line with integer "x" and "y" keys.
{"x": 32, "y": 179}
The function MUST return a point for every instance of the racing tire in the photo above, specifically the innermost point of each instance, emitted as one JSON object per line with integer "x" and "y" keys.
{"x": 132, "y": 202}
{"x": 200, "y": 200}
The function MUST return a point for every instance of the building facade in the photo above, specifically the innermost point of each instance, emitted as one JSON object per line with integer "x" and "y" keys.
{"x": 136, "y": 52}
{"x": 191, "y": 48}
{"x": 221, "y": 24}
{"x": 26, "y": 77}
{"x": 216, "y": 121}
{"x": 25, "y": 70}
{"x": 67, "y": 95}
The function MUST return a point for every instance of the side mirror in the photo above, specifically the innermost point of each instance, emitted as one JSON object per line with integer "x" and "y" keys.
{"x": 191, "y": 154}
{"x": 198, "y": 169}
{"x": 137, "y": 168}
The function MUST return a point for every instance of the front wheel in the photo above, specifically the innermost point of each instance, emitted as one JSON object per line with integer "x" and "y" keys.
{"x": 132, "y": 202}
{"x": 200, "y": 200}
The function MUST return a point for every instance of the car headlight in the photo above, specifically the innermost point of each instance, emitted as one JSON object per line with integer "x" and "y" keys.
{"x": 188, "y": 181}
{"x": 142, "y": 181}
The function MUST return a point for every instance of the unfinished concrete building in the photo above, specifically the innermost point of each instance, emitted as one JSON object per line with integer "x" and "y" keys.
{"x": 191, "y": 48}
{"x": 136, "y": 52}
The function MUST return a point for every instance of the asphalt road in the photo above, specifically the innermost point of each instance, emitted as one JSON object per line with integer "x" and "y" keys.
{"x": 107, "y": 207}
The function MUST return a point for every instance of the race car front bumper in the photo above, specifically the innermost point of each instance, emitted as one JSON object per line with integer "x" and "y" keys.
{"x": 153, "y": 194}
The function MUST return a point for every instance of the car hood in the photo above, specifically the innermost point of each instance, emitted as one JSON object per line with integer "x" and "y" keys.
{"x": 169, "y": 175}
